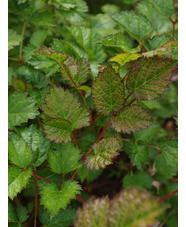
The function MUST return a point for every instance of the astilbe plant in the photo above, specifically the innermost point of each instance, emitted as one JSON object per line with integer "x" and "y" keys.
{"x": 49, "y": 116}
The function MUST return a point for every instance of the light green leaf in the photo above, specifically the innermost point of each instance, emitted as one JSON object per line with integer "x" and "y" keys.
{"x": 19, "y": 152}
{"x": 131, "y": 119}
{"x": 123, "y": 58}
{"x": 166, "y": 7}
{"x": 108, "y": 91}
{"x": 103, "y": 153}
{"x": 43, "y": 19}
{"x": 38, "y": 37}
{"x": 17, "y": 180}
{"x": 11, "y": 213}
{"x": 20, "y": 109}
{"x": 22, "y": 213}
{"x": 54, "y": 198}
{"x": 64, "y": 218}
{"x": 137, "y": 25}
{"x": 64, "y": 158}
{"x": 158, "y": 40}
{"x": 13, "y": 39}
{"x": 28, "y": 52}
{"x": 149, "y": 78}
{"x": 40, "y": 146}
{"x": 141, "y": 179}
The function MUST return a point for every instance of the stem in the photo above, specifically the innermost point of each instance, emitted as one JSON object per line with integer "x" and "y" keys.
{"x": 95, "y": 119}
{"x": 73, "y": 175}
{"x": 143, "y": 47}
{"x": 167, "y": 196}
{"x": 63, "y": 178}
{"x": 132, "y": 102}
{"x": 101, "y": 134}
{"x": 80, "y": 199}
{"x": 173, "y": 23}
{"x": 13, "y": 59}
{"x": 75, "y": 142}
{"x": 36, "y": 194}
{"x": 22, "y": 34}
{"x": 128, "y": 97}
{"x": 157, "y": 148}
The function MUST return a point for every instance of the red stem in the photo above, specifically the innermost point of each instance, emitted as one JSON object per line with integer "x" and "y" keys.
{"x": 74, "y": 173}
{"x": 75, "y": 142}
{"x": 167, "y": 196}
{"x": 173, "y": 23}
{"x": 128, "y": 97}
{"x": 36, "y": 194}
{"x": 95, "y": 119}
{"x": 144, "y": 48}
{"x": 80, "y": 199}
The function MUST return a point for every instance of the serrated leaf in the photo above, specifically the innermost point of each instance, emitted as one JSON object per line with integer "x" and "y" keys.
{"x": 11, "y": 213}
{"x": 54, "y": 198}
{"x": 131, "y": 119}
{"x": 64, "y": 107}
{"x": 17, "y": 180}
{"x": 43, "y": 19}
{"x": 147, "y": 135}
{"x": 166, "y": 7}
{"x": 93, "y": 213}
{"x": 64, "y": 218}
{"x": 20, "y": 109}
{"x": 149, "y": 78}
{"x": 123, "y": 58}
{"x": 103, "y": 153}
{"x": 137, "y": 25}
{"x": 38, "y": 37}
{"x": 64, "y": 158}
{"x": 28, "y": 52}
{"x": 39, "y": 145}
{"x": 13, "y": 39}
{"x": 108, "y": 91}
{"x": 22, "y": 213}
{"x": 158, "y": 40}
{"x": 18, "y": 84}
{"x": 39, "y": 95}
{"x": 141, "y": 179}
{"x": 19, "y": 152}
{"x": 86, "y": 38}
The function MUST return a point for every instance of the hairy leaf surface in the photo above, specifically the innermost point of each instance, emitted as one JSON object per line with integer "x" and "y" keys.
{"x": 131, "y": 119}
{"x": 108, "y": 91}
{"x": 149, "y": 77}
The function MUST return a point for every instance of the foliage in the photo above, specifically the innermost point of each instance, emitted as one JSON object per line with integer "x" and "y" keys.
{"x": 92, "y": 100}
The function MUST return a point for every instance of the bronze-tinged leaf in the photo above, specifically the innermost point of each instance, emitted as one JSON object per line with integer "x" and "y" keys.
{"x": 131, "y": 119}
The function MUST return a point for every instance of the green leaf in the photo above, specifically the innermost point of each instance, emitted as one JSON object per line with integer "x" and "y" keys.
{"x": 58, "y": 130}
{"x": 28, "y": 52}
{"x": 18, "y": 84}
{"x": 149, "y": 77}
{"x": 64, "y": 218}
{"x": 103, "y": 153}
{"x": 11, "y": 213}
{"x": 166, "y": 7}
{"x": 20, "y": 109}
{"x": 17, "y": 180}
{"x": 147, "y": 135}
{"x": 141, "y": 179}
{"x": 137, "y": 25}
{"x": 38, "y": 37}
{"x": 54, "y": 198}
{"x": 131, "y": 119}
{"x": 64, "y": 158}
{"x": 43, "y": 19}
{"x": 19, "y": 152}
{"x": 22, "y": 213}
{"x": 86, "y": 38}
{"x": 40, "y": 146}
{"x": 108, "y": 91}
{"x": 13, "y": 39}
{"x": 123, "y": 58}
{"x": 64, "y": 107}
{"x": 158, "y": 40}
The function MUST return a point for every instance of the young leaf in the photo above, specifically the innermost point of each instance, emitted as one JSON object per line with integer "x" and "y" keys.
{"x": 64, "y": 218}
{"x": 131, "y": 119}
{"x": 54, "y": 199}
{"x": 13, "y": 39}
{"x": 22, "y": 213}
{"x": 164, "y": 6}
{"x": 108, "y": 91}
{"x": 141, "y": 179}
{"x": 40, "y": 146}
{"x": 11, "y": 213}
{"x": 103, "y": 153}
{"x": 20, "y": 109}
{"x": 123, "y": 58}
{"x": 17, "y": 180}
{"x": 63, "y": 105}
{"x": 65, "y": 158}
{"x": 137, "y": 25}
{"x": 19, "y": 152}
{"x": 149, "y": 77}
{"x": 93, "y": 213}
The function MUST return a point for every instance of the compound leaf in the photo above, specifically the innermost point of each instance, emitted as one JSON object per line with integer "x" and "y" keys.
{"x": 17, "y": 180}
{"x": 131, "y": 119}
{"x": 137, "y": 25}
{"x": 20, "y": 109}
{"x": 64, "y": 158}
{"x": 19, "y": 152}
{"x": 13, "y": 39}
{"x": 108, "y": 91}
{"x": 54, "y": 199}
{"x": 103, "y": 153}
{"x": 149, "y": 77}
